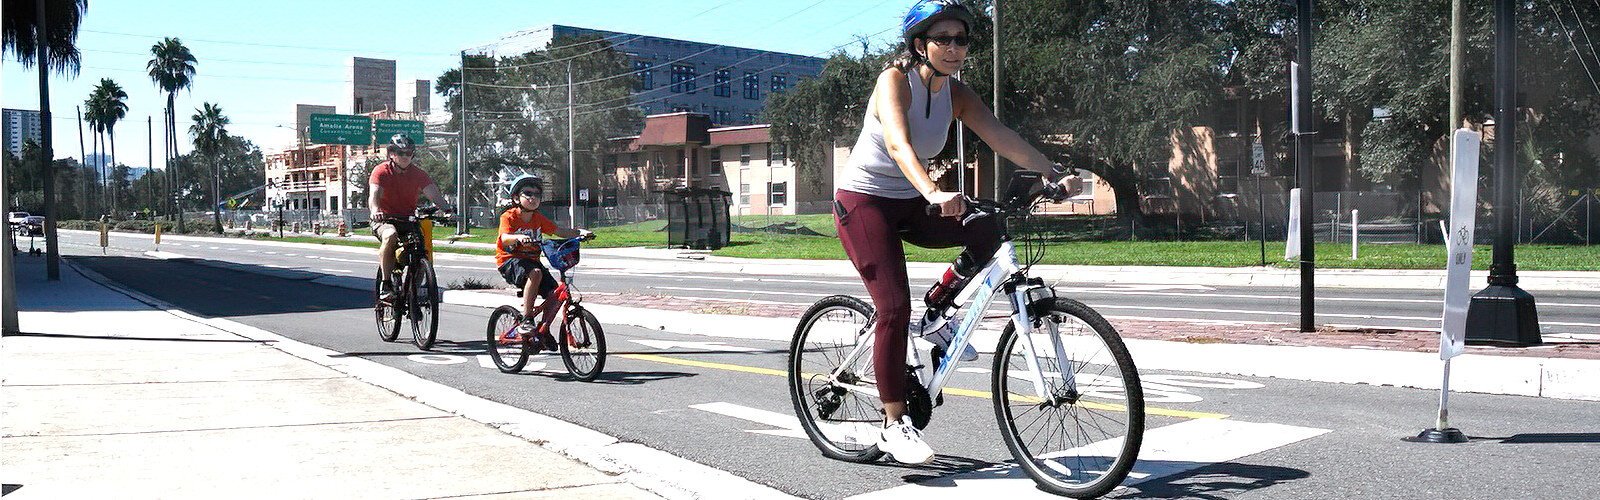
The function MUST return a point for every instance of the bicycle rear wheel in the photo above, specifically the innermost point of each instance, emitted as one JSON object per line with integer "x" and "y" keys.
{"x": 424, "y": 295}
{"x": 509, "y": 358}
{"x": 387, "y": 316}
{"x": 1081, "y": 437}
{"x": 583, "y": 344}
{"x": 842, "y": 414}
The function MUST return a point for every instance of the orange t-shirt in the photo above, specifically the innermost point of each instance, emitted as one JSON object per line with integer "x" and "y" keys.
{"x": 511, "y": 222}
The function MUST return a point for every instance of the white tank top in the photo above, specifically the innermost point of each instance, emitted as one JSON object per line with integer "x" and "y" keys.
{"x": 870, "y": 170}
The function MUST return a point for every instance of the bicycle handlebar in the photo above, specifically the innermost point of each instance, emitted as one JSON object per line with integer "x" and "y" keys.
{"x": 978, "y": 208}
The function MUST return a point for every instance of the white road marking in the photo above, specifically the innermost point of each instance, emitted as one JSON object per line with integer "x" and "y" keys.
{"x": 973, "y": 370}
{"x": 700, "y": 346}
{"x": 437, "y": 359}
{"x": 741, "y": 292}
{"x": 347, "y": 271}
{"x": 1166, "y": 451}
{"x": 787, "y": 424}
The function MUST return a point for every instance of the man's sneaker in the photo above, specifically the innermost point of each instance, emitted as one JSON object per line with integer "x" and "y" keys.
{"x": 386, "y": 293}
{"x": 904, "y": 443}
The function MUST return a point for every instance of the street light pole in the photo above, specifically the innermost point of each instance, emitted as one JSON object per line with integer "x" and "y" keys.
{"x": 1504, "y": 313}
{"x": 572, "y": 161}
{"x": 461, "y": 153}
{"x": 1304, "y": 133}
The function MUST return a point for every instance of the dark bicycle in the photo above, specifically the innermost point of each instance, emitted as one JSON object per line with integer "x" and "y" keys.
{"x": 416, "y": 294}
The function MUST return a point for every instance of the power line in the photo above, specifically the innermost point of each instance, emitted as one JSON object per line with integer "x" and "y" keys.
{"x": 210, "y": 59}
{"x": 1578, "y": 20}
{"x": 1575, "y": 51}
{"x": 278, "y": 46}
{"x": 239, "y": 77}
{"x": 602, "y": 39}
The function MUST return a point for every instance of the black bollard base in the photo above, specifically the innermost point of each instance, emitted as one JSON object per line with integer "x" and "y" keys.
{"x": 1450, "y": 435}
{"x": 1503, "y": 315}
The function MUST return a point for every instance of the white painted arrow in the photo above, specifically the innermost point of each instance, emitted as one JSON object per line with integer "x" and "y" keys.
{"x": 788, "y": 424}
{"x": 701, "y": 346}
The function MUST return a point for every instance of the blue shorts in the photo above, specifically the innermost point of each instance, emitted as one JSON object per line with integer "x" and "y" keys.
{"x": 516, "y": 272}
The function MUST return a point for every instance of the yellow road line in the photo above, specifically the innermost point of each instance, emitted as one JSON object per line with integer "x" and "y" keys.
{"x": 1149, "y": 410}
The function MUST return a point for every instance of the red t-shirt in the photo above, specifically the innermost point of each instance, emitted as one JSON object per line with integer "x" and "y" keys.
{"x": 400, "y": 188}
{"x": 511, "y": 222}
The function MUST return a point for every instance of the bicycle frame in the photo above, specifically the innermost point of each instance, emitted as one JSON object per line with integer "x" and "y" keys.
{"x": 1001, "y": 272}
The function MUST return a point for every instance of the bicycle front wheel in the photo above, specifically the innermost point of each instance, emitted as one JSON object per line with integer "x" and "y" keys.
{"x": 387, "y": 315}
{"x": 836, "y": 396}
{"x": 509, "y": 358}
{"x": 1076, "y": 431}
{"x": 424, "y": 304}
{"x": 583, "y": 344}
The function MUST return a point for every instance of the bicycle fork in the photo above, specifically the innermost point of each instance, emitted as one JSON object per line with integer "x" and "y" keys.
{"x": 1022, "y": 320}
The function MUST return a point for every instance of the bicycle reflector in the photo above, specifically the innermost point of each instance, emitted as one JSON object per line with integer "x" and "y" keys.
{"x": 562, "y": 254}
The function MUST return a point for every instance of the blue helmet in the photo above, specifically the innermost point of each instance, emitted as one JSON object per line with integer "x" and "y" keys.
{"x": 525, "y": 180}
{"x": 926, "y": 12}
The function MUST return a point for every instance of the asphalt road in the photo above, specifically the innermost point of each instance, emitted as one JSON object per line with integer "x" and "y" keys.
{"x": 1281, "y": 439}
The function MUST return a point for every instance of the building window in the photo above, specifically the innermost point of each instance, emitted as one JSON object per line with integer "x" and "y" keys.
{"x": 610, "y": 162}
{"x": 744, "y": 192}
{"x": 1228, "y": 176}
{"x": 646, "y": 77}
{"x": 683, "y": 78}
{"x": 716, "y": 156}
{"x": 777, "y": 193}
{"x": 752, "y": 86}
{"x": 720, "y": 82}
{"x": 693, "y": 156}
{"x": 779, "y": 83}
{"x": 777, "y": 153}
{"x": 744, "y": 155}
{"x": 660, "y": 166}
{"x": 681, "y": 109}
{"x": 633, "y": 161}
{"x": 749, "y": 118}
{"x": 719, "y": 117}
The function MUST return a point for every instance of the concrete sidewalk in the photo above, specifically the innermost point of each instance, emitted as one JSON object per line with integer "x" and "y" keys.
{"x": 107, "y": 396}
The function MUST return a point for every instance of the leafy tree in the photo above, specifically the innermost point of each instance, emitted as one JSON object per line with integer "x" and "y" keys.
{"x": 517, "y": 108}
{"x": 209, "y": 133}
{"x": 171, "y": 68}
{"x": 819, "y": 112}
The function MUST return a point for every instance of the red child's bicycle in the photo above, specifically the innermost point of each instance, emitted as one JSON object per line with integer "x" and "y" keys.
{"x": 581, "y": 341}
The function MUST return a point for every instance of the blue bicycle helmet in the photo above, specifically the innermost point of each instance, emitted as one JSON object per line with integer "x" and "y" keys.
{"x": 525, "y": 180}
{"x": 926, "y": 12}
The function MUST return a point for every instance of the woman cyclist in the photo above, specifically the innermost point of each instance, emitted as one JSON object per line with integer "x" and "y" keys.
{"x": 885, "y": 193}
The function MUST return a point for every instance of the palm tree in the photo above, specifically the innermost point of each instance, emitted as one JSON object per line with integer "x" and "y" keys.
{"x": 94, "y": 113}
{"x": 171, "y": 67}
{"x": 114, "y": 107}
{"x": 48, "y": 37}
{"x": 209, "y": 132}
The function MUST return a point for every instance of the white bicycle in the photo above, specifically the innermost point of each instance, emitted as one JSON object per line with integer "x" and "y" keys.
{"x": 1065, "y": 390}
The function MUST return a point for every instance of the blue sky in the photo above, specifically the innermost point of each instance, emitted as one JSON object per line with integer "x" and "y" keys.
{"x": 258, "y": 59}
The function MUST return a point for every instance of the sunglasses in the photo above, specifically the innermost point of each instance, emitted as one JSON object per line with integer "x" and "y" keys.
{"x": 531, "y": 194}
{"x": 946, "y": 40}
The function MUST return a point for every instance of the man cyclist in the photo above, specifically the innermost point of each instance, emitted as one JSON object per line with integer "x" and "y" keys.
{"x": 392, "y": 191}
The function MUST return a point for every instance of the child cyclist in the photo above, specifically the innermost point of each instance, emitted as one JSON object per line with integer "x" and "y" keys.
{"x": 517, "y": 256}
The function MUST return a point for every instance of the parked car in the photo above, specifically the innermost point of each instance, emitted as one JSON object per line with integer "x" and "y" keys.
{"x": 32, "y": 225}
{"x": 16, "y": 217}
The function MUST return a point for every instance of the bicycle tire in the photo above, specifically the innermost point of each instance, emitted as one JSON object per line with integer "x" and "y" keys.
{"x": 847, "y": 416}
{"x": 388, "y": 324}
{"x": 423, "y": 299}
{"x": 511, "y": 358}
{"x": 583, "y": 344}
{"x": 1052, "y": 468}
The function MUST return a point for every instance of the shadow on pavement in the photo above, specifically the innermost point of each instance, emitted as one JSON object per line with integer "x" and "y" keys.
{"x": 215, "y": 289}
{"x": 1546, "y": 438}
{"x": 1214, "y": 481}
{"x": 8, "y": 488}
{"x": 116, "y": 337}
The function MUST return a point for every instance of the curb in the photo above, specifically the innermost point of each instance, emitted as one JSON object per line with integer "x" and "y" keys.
{"x": 654, "y": 470}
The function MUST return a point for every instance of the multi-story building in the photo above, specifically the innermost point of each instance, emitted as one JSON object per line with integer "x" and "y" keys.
{"x": 727, "y": 84}
{"x": 21, "y": 126}
{"x": 372, "y": 85}
{"x": 685, "y": 150}
{"x": 419, "y": 93}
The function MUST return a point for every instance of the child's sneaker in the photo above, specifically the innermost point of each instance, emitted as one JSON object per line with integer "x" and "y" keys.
{"x": 516, "y": 335}
{"x": 547, "y": 341}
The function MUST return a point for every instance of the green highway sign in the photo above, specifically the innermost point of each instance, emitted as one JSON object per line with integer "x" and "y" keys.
{"x": 388, "y": 128}
{"x": 340, "y": 129}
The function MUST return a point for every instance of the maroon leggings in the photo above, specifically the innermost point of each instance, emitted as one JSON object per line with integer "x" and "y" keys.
{"x": 872, "y": 229}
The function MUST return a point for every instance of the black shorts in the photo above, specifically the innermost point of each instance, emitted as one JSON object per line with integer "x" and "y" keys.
{"x": 516, "y": 272}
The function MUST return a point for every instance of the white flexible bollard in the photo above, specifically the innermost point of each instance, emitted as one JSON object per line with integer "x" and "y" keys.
{"x": 1355, "y": 234}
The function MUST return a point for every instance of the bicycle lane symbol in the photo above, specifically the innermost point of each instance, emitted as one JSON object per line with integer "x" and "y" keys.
{"x": 482, "y": 359}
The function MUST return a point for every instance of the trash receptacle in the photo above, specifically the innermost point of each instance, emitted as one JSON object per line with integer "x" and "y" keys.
{"x": 697, "y": 218}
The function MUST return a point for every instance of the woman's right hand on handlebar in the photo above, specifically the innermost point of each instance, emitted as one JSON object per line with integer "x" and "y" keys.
{"x": 950, "y": 204}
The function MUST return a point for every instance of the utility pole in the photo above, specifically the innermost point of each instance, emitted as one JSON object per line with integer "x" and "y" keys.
{"x": 46, "y": 152}
{"x": 1458, "y": 49}
{"x": 996, "y": 6}
{"x": 461, "y": 152}
{"x": 150, "y": 159}
{"x": 1305, "y": 132}
{"x": 83, "y": 190}
{"x": 1504, "y": 313}
{"x": 572, "y": 159}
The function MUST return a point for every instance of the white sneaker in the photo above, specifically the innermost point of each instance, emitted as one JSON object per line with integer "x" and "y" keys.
{"x": 904, "y": 443}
